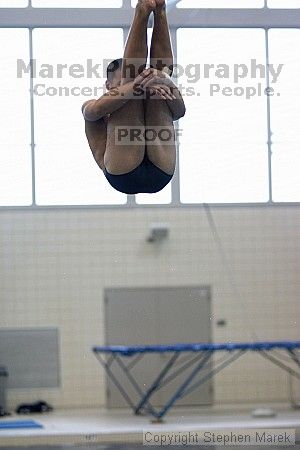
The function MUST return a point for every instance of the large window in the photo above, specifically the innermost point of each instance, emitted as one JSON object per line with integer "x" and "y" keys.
{"x": 15, "y": 151}
{"x": 220, "y": 4}
{"x": 13, "y": 3}
{"x": 284, "y": 3}
{"x": 285, "y": 115}
{"x": 65, "y": 171}
{"x": 76, "y": 4}
{"x": 163, "y": 197}
{"x": 223, "y": 149}
{"x": 238, "y": 142}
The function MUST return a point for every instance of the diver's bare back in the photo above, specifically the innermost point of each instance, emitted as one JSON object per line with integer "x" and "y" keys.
{"x": 96, "y": 133}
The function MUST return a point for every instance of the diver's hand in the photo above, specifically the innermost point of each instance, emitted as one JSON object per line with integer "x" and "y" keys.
{"x": 154, "y": 76}
{"x": 160, "y": 91}
{"x": 137, "y": 83}
{"x": 151, "y": 77}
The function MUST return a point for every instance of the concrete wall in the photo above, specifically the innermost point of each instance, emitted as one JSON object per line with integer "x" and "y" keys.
{"x": 54, "y": 265}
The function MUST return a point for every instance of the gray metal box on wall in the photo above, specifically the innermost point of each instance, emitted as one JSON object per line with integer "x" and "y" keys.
{"x": 31, "y": 356}
{"x": 3, "y": 386}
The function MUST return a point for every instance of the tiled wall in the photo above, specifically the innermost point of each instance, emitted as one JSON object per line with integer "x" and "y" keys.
{"x": 54, "y": 265}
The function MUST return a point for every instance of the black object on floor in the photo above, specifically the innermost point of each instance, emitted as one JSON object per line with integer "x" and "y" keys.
{"x": 38, "y": 407}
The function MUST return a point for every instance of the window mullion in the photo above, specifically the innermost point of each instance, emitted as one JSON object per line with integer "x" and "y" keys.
{"x": 32, "y": 124}
{"x": 268, "y": 99}
{"x": 175, "y": 196}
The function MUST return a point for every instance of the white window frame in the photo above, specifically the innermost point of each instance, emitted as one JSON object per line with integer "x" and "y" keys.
{"x": 264, "y": 18}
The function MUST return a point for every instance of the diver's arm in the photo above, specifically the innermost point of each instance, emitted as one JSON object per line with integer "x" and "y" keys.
{"x": 176, "y": 105}
{"x": 111, "y": 101}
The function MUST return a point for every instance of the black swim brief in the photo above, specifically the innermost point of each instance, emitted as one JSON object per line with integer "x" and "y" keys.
{"x": 146, "y": 178}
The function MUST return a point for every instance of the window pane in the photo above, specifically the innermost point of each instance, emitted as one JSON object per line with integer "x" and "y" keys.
{"x": 220, "y": 4}
{"x": 223, "y": 153}
{"x": 76, "y": 4}
{"x": 15, "y": 150}
{"x": 13, "y": 3}
{"x": 161, "y": 198}
{"x": 284, "y": 3}
{"x": 285, "y": 172}
{"x": 66, "y": 172}
{"x": 218, "y": 173}
{"x": 285, "y": 113}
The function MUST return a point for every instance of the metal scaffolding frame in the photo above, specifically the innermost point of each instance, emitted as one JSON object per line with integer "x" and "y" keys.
{"x": 195, "y": 366}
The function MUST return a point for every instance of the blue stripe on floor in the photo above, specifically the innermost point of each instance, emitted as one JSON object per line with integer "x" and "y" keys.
{"x": 15, "y": 424}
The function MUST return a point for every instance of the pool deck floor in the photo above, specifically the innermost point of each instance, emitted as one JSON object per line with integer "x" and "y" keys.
{"x": 101, "y": 426}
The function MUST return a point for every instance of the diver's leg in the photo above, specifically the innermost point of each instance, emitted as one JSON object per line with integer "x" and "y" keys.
{"x": 124, "y": 152}
{"x": 161, "y": 54}
{"x": 135, "y": 53}
{"x": 162, "y": 152}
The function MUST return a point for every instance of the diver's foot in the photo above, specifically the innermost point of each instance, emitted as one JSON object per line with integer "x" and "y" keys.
{"x": 160, "y": 3}
{"x": 146, "y": 6}
{"x": 160, "y": 7}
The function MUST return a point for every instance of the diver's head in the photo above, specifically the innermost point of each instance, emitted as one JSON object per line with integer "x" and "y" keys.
{"x": 114, "y": 74}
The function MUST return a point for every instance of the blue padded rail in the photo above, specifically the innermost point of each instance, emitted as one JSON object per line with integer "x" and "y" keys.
{"x": 197, "y": 347}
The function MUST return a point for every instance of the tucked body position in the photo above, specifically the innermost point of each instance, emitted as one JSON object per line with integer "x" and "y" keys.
{"x": 130, "y": 128}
